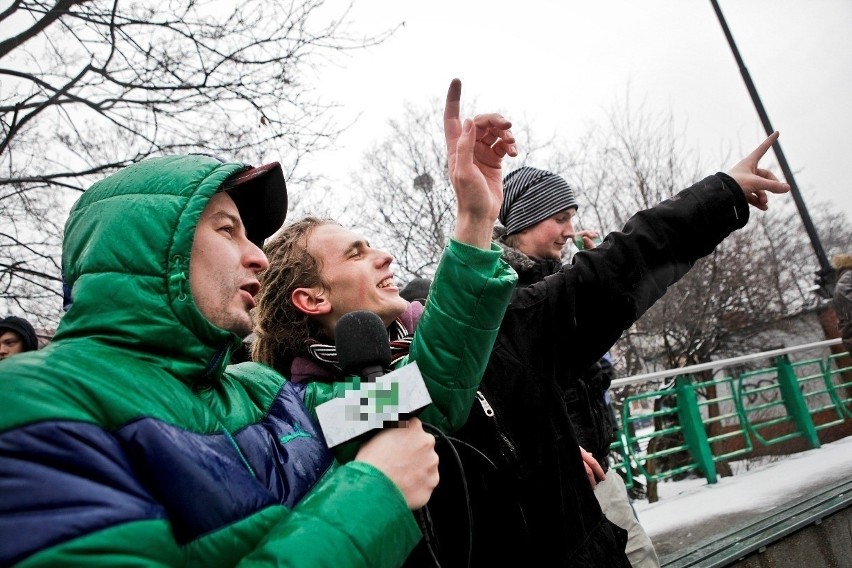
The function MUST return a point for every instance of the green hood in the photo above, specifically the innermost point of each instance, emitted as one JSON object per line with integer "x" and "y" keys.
{"x": 126, "y": 259}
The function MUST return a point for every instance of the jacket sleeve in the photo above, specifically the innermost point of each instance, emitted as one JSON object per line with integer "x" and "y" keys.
{"x": 92, "y": 510}
{"x": 456, "y": 332}
{"x": 357, "y": 517}
{"x": 587, "y": 305}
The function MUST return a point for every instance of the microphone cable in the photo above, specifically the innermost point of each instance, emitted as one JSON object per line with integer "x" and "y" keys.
{"x": 425, "y": 517}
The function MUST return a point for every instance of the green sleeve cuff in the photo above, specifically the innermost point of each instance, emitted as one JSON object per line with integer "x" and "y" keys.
{"x": 481, "y": 260}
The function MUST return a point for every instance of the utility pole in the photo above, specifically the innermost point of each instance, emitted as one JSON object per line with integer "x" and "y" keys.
{"x": 826, "y": 275}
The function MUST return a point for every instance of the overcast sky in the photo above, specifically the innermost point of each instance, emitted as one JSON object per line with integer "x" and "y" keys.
{"x": 562, "y": 64}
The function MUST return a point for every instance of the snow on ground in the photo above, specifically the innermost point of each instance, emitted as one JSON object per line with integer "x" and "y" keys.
{"x": 694, "y": 502}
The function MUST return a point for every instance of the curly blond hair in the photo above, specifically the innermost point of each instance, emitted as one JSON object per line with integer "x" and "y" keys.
{"x": 281, "y": 330}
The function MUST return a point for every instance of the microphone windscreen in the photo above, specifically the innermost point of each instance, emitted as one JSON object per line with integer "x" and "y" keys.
{"x": 362, "y": 341}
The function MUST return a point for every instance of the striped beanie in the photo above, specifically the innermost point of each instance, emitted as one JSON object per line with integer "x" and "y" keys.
{"x": 531, "y": 195}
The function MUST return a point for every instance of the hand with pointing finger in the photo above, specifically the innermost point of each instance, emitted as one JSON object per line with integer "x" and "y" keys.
{"x": 754, "y": 181}
{"x": 475, "y": 151}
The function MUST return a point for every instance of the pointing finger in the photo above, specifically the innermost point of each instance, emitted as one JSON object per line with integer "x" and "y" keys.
{"x": 452, "y": 125}
{"x": 761, "y": 150}
{"x": 453, "y": 105}
{"x": 464, "y": 150}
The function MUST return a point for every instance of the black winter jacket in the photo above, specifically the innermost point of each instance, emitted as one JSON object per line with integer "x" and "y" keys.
{"x": 583, "y": 392}
{"x": 532, "y": 504}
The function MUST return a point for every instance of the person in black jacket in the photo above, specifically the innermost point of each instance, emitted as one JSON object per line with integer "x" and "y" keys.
{"x": 538, "y": 221}
{"x": 530, "y": 501}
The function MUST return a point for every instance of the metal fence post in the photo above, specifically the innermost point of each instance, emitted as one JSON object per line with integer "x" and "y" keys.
{"x": 693, "y": 428}
{"x": 797, "y": 408}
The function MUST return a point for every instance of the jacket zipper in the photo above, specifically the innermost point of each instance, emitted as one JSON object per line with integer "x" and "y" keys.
{"x": 486, "y": 408}
{"x": 501, "y": 433}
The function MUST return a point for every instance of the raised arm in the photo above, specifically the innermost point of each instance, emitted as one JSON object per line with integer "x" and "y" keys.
{"x": 591, "y": 302}
{"x": 472, "y": 286}
{"x": 475, "y": 150}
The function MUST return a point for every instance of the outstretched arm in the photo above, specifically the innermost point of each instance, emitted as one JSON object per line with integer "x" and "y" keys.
{"x": 754, "y": 181}
{"x": 475, "y": 151}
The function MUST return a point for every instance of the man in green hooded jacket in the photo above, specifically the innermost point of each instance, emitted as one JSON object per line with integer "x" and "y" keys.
{"x": 129, "y": 440}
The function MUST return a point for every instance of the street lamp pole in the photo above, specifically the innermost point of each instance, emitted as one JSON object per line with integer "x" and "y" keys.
{"x": 826, "y": 274}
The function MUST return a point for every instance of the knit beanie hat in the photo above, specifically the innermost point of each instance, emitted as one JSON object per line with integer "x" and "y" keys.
{"x": 23, "y": 328}
{"x": 531, "y": 195}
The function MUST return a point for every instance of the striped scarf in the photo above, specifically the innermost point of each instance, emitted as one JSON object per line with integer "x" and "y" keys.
{"x": 400, "y": 344}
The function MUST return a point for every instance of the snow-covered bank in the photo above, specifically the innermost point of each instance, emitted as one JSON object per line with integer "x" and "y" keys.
{"x": 693, "y": 502}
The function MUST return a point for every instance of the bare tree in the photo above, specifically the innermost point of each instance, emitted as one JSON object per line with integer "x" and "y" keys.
{"x": 634, "y": 161}
{"x": 92, "y": 86}
{"x": 409, "y": 205}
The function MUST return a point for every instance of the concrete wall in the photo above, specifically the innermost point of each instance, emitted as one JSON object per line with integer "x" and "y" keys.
{"x": 827, "y": 544}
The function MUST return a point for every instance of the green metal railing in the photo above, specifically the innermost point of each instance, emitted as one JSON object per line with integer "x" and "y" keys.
{"x": 694, "y": 431}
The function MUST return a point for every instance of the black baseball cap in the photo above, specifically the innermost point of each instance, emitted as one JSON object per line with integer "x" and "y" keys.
{"x": 260, "y": 194}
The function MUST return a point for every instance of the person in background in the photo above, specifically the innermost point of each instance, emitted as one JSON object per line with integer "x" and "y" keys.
{"x": 129, "y": 440}
{"x": 16, "y": 336}
{"x": 842, "y": 298}
{"x": 537, "y": 224}
{"x": 416, "y": 290}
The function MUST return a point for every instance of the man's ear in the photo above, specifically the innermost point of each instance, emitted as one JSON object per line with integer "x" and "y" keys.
{"x": 310, "y": 301}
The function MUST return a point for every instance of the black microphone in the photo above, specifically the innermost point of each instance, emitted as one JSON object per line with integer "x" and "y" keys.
{"x": 363, "y": 347}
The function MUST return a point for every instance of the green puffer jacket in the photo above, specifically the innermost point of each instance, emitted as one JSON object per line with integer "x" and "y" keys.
{"x": 130, "y": 441}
